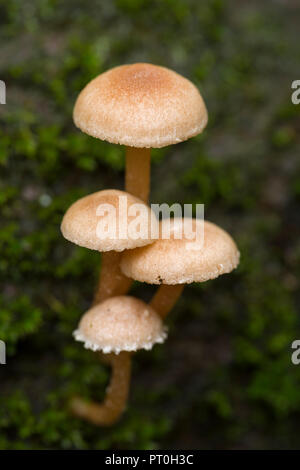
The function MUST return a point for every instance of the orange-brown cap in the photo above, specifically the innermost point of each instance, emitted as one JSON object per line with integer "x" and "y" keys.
{"x": 121, "y": 323}
{"x": 140, "y": 105}
{"x": 103, "y": 221}
{"x": 172, "y": 261}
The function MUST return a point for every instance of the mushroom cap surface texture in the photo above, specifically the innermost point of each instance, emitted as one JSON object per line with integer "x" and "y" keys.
{"x": 140, "y": 105}
{"x": 182, "y": 261}
{"x": 120, "y": 323}
{"x": 101, "y": 222}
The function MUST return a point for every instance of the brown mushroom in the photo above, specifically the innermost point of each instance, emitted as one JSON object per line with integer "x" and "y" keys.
{"x": 174, "y": 262}
{"x": 117, "y": 326}
{"x": 80, "y": 225}
{"x": 141, "y": 106}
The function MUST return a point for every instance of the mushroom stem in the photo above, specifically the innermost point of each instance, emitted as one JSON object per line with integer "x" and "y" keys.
{"x": 111, "y": 281}
{"x": 165, "y": 298}
{"x": 114, "y": 403}
{"x": 137, "y": 177}
{"x": 137, "y": 182}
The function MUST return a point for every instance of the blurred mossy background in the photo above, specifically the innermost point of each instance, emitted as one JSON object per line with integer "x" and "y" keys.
{"x": 224, "y": 378}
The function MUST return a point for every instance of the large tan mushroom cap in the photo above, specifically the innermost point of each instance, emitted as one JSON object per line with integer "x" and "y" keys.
{"x": 90, "y": 223}
{"x": 170, "y": 261}
{"x": 120, "y": 324}
{"x": 140, "y": 105}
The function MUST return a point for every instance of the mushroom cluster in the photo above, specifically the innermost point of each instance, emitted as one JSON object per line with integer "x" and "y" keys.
{"x": 141, "y": 106}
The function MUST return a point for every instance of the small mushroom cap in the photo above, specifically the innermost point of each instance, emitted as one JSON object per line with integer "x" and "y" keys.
{"x": 80, "y": 223}
{"x": 120, "y": 323}
{"x": 140, "y": 105}
{"x": 169, "y": 261}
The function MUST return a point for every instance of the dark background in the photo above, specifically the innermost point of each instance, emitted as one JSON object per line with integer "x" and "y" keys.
{"x": 224, "y": 378}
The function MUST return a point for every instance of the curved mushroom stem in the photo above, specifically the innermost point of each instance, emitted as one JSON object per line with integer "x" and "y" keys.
{"x": 137, "y": 177}
{"x": 114, "y": 403}
{"x": 165, "y": 298}
{"x": 111, "y": 281}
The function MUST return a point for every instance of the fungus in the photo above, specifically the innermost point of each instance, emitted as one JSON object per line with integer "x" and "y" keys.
{"x": 119, "y": 325}
{"x": 175, "y": 262}
{"x": 141, "y": 106}
{"x": 101, "y": 222}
